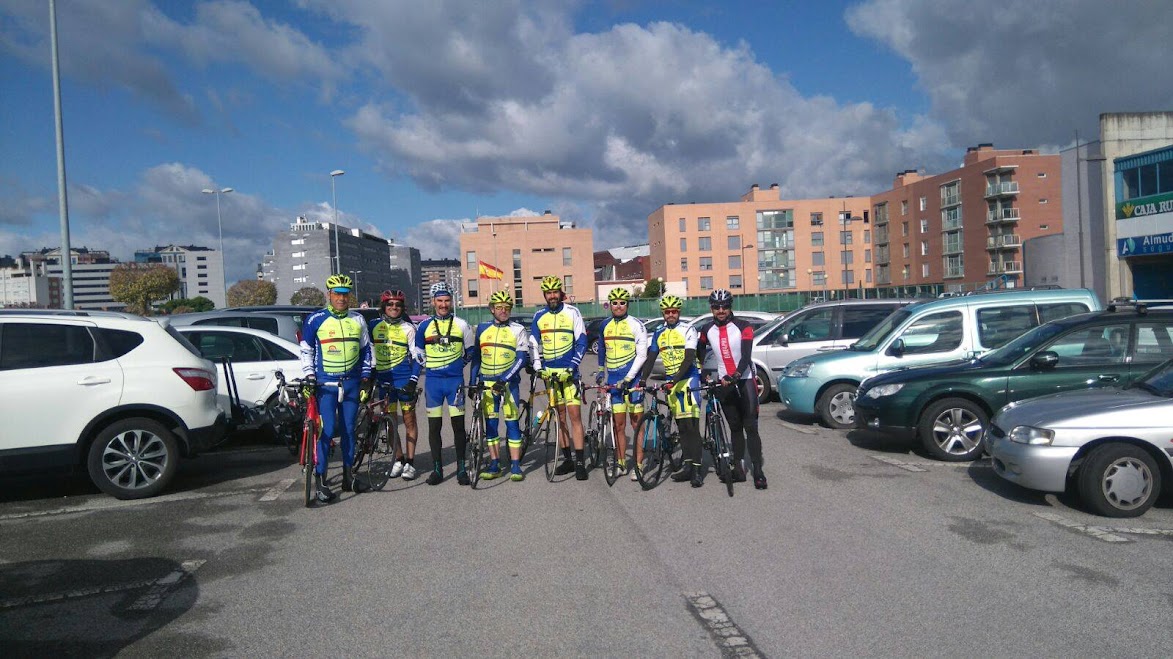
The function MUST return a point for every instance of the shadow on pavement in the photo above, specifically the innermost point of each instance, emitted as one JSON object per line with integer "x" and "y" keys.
{"x": 883, "y": 442}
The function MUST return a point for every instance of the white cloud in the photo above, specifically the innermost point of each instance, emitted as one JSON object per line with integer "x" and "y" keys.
{"x": 1021, "y": 74}
{"x": 435, "y": 239}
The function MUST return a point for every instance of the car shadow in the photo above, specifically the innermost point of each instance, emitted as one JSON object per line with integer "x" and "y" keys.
{"x": 92, "y": 608}
{"x": 796, "y": 418}
{"x": 883, "y": 442}
{"x": 984, "y": 477}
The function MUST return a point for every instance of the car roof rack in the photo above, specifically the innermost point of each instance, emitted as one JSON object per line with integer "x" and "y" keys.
{"x": 1140, "y": 306}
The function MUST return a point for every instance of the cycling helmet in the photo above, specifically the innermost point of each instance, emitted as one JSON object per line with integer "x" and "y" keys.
{"x": 339, "y": 283}
{"x": 441, "y": 288}
{"x": 721, "y": 297}
{"x": 551, "y": 283}
{"x": 501, "y": 297}
{"x": 396, "y": 295}
{"x": 671, "y": 302}
{"x": 619, "y": 295}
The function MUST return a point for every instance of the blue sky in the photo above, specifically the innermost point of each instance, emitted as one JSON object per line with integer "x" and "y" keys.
{"x": 599, "y": 111}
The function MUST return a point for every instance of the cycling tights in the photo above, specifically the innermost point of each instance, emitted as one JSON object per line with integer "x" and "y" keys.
{"x": 741, "y": 411}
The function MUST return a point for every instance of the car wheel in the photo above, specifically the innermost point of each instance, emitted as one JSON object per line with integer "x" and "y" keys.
{"x": 133, "y": 458}
{"x": 1119, "y": 480}
{"x": 593, "y": 348}
{"x": 952, "y": 430}
{"x": 763, "y": 385}
{"x": 837, "y": 407}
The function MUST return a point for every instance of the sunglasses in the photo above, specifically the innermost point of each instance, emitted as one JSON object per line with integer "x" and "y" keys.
{"x": 397, "y": 305}
{"x": 620, "y": 303}
{"x": 717, "y": 307}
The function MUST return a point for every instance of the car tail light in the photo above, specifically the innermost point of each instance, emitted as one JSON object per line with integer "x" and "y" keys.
{"x": 197, "y": 378}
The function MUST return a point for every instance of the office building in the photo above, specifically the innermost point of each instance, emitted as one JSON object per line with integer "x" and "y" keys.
{"x": 405, "y": 273}
{"x": 303, "y": 257}
{"x": 525, "y": 250}
{"x": 91, "y": 277}
{"x": 200, "y": 269}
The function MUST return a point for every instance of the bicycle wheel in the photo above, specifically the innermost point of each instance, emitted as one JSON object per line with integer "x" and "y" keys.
{"x": 722, "y": 460}
{"x": 673, "y": 451}
{"x": 653, "y": 445}
{"x": 309, "y": 438}
{"x": 607, "y": 445}
{"x": 525, "y": 421}
{"x": 477, "y": 452}
{"x": 548, "y": 433}
{"x": 593, "y": 436}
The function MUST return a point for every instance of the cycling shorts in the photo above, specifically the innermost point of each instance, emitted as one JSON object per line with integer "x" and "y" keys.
{"x": 565, "y": 393}
{"x": 506, "y": 404}
{"x": 624, "y": 402}
{"x": 398, "y": 400}
{"x": 440, "y": 390}
{"x": 685, "y": 404}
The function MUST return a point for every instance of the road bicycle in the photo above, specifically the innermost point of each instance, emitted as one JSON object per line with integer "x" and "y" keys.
{"x": 599, "y": 438}
{"x": 548, "y": 428}
{"x": 476, "y": 452}
{"x": 661, "y": 440}
{"x": 716, "y": 438}
{"x": 311, "y": 428}
{"x": 376, "y": 438}
{"x": 287, "y": 414}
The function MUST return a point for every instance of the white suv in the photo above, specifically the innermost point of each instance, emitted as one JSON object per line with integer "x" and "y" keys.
{"x": 121, "y": 394}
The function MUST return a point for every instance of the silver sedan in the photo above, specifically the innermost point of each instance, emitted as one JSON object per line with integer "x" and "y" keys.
{"x": 1113, "y": 445}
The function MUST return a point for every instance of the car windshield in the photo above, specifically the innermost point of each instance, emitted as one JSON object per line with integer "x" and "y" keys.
{"x": 1158, "y": 381}
{"x": 879, "y": 333}
{"x": 1023, "y": 345}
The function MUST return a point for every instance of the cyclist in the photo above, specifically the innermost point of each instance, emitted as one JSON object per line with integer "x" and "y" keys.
{"x": 446, "y": 342}
{"x": 336, "y": 350}
{"x": 732, "y": 339}
{"x": 398, "y": 363}
{"x": 559, "y": 343}
{"x": 623, "y": 348}
{"x": 675, "y": 344}
{"x": 501, "y": 350}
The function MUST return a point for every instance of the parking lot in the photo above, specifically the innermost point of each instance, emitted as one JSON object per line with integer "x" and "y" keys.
{"x": 860, "y": 546}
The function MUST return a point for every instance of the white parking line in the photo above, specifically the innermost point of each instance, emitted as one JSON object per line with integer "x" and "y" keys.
{"x": 1139, "y": 531}
{"x": 149, "y": 600}
{"x": 730, "y": 639}
{"x": 980, "y": 464}
{"x": 275, "y": 491}
{"x": 1097, "y": 532}
{"x": 897, "y": 463}
{"x": 115, "y": 504}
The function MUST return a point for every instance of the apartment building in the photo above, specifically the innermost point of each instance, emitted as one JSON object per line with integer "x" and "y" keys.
{"x": 965, "y": 228}
{"x": 406, "y": 273}
{"x": 433, "y": 271}
{"x": 91, "y": 277}
{"x": 304, "y": 256}
{"x": 763, "y": 243}
{"x": 200, "y": 269}
{"x": 526, "y": 249}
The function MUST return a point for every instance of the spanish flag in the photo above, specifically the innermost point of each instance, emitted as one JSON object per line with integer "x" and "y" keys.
{"x": 490, "y": 272}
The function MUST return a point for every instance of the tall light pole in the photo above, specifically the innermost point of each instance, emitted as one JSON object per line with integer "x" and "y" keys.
{"x": 334, "y": 194}
{"x": 744, "y": 269}
{"x": 220, "y": 226}
{"x": 356, "y": 273}
{"x": 62, "y": 199}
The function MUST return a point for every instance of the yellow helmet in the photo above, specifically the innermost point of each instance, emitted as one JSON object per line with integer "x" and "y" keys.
{"x": 501, "y": 297}
{"x": 671, "y": 302}
{"x": 619, "y": 294}
{"x": 551, "y": 283}
{"x": 334, "y": 282}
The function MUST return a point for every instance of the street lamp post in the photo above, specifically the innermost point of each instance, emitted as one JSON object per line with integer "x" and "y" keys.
{"x": 334, "y": 194}
{"x": 220, "y": 227}
{"x": 356, "y": 273}
{"x": 744, "y": 269}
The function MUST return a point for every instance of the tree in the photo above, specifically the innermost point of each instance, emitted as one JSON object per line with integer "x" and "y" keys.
{"x": 250, "y": 292}
{"x": 187, "y": 305}
{"x": 140, "y": 284}
{"x": 653, "y": 289}
{"x": 309, "y": 296}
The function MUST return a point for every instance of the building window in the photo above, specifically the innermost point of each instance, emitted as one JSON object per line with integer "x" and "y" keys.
{"x": 684, "y": 244}
{"x": 569, "y": 281}
{"x": 818, "y": 279}
{"x": 904, "y": 273}
{"x": 473, "y": 286}
{"x": 702, "y": 224}
{"x": 201, "y": 267}
{"x": 867, "y": 236}
{"x": 1042, "y": 175}
{"x": 924, "y": 248}
{"x": 868, "y": 275}
{"x": 847, "y": 278}
{"x": 733, "y": 222}
{"x": 297, "y": 241}
{"x": 470, "y": 259}
{"x": 735, "y": 281}
{"x": 867, "y": 256}
{"x": 846, "y": 257}
{"x": 904, "y": 228}
{"x": 734, "y": 261}
{"x": 818, "y": 258}
{"x": 566, "y": 256}
{"x": 734, "y": 242}
{"x": 904, "y": 207}
{"x": 906, "y": 252}
{"x": 1044, "y": 227}
{"x": 705, "y": 244}
{"x": 924, "y": 203}
{"x": 706, "y": 263}
{"x": 1042, "y": 201}
{"x": 201, "y": 258}
{"x": 816, "y": 219}
{"x": 682, "y": 225}
{"x": 844, "y": 237}
{"x": 924, "y": 226}
{"x": 816, "y": 239}
{"x": 684, "y": 265}
{"x": 924, "y": 270}
{"x": 706, "y": 283}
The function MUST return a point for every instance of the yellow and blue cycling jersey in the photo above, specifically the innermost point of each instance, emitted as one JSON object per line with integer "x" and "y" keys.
{"x": 446, "y": 344}
{"x": 623, "y": 348}
{"x": 397, "y": 358}
{"x": 501, "y": 351}
{"x": 558, "y": 338}
{"x": 336, "y": 347}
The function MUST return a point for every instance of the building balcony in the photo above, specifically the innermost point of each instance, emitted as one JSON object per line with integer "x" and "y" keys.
{"x": 1006, "y": 268}
{"x": 882, "y": 256}
{"x": 1008, "y": 188}
{"x": 951, "y": 224}
{"x": 1005, "y": 241}
{"x": 1002, "y": 215}
{"x": 948, "y": 200}
{"x": 954, "y": 272}
{"x": 952, "y": 247}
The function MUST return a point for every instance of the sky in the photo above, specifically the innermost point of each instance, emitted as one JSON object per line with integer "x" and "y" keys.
{"x": 601, "y": 112}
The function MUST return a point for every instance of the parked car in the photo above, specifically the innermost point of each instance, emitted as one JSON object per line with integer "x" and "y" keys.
{"x": 594, "y": 325}
{"x": 255, "y": 356}
{"x": 285, "y": 324}
{"x": 819, "y": 327}
{"x": 931, "y": 332}
{"x": 1113, "y": 446}
{"x": 949, "y": 405}
{"x": 653, "y": 324}
{"x": 118, "y": 394}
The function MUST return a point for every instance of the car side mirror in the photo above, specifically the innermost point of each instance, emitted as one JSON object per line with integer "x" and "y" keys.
{"x": 1044, "y": 361}
{"x": 784, "y": 340}
{"x": 897, "y": 348}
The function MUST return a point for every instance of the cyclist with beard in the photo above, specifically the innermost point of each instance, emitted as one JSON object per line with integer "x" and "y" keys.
{"x": 446, "y": 342}
{"x": 398, "y": 363}
{"x": 559, "y": 343}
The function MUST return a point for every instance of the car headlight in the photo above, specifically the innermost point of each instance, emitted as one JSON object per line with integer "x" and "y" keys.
{"x": 883, "y": 390}
{"x": 798, "y": 370}
{"x": 1031, "y": 435}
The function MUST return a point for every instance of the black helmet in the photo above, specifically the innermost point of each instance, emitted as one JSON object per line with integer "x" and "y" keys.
{"x": 721, "y": 297}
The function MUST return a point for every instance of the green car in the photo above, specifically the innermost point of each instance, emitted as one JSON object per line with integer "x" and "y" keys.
{"x": 949, "y": 405}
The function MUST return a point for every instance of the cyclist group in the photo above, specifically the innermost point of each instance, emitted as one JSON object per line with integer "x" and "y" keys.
{"x": 344, "y": 359}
